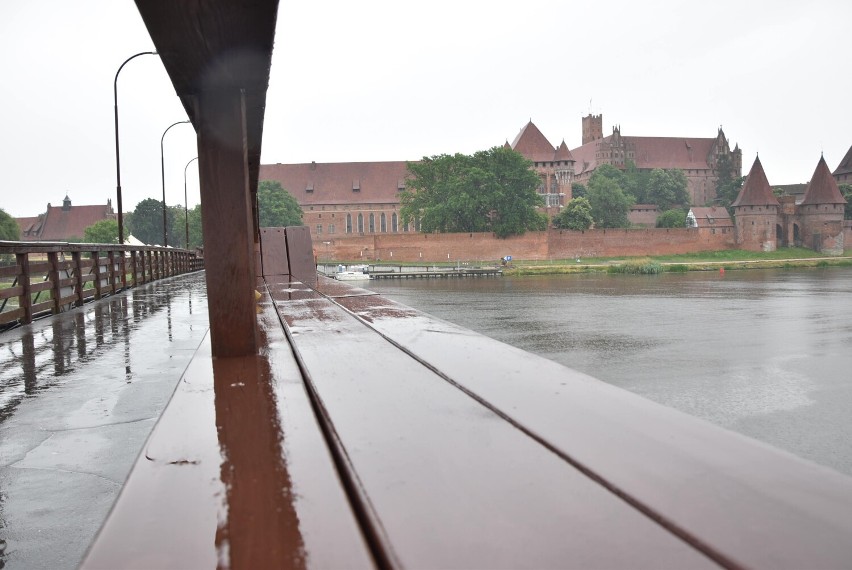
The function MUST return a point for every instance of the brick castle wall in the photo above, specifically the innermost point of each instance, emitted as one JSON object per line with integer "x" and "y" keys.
{"x": 541, "y": 246}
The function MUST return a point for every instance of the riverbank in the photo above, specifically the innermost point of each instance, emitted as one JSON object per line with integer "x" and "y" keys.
{"x": 707, "y": 261}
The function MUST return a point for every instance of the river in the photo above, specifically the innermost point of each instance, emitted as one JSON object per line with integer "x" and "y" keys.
{"x": 766, "y": 353}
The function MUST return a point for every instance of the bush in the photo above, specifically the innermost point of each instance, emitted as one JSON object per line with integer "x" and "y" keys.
{"x": 637, "y": 267}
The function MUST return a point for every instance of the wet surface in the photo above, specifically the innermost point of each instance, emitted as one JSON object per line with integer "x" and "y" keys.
{"x": 79, "y": 393}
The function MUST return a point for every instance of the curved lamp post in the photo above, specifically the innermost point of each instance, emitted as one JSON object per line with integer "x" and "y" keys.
{"x": 163, "y": 173}
{"x": 185, "y": 202}
{"x": 117, "y": 161}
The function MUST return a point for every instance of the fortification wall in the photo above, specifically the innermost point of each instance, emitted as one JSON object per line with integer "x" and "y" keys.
{"x": 551, "y": 244}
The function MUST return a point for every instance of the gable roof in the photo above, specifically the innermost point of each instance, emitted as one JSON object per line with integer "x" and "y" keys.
{"x": 711, "y": 217}
{"x": 685, "y": 153}
{"x": 61, "y": 224}
{"x": 533, "y": 145}
{"x": 563, "y": 154}
{"x": 845, "y": 166}
{"x": 756, "y": 190}
{"x": 319, "y": 183}
{"x": 822, "y": 189}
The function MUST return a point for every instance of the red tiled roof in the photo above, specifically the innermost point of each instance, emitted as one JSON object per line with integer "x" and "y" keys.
{"x": 652, "y": 152}
{"x": 715, "y": 217}
{"x": 822, "y": 189}
{"x": 845, "y": 166}
{"x": 563, "y": 154}
{"x": 756, "y": 190}
{"x": 333, "y": 182}
{"x": 61, "y": 225}
{"x": 533, "y": 145}
{"x": 27, "y": 225}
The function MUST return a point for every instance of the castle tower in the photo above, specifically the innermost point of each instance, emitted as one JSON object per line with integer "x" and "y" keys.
{"x": 821, "y": 213}
{"x": 592, "y": 128}
{"x": 563, "y": 163}
{"x": 756, "y": 212}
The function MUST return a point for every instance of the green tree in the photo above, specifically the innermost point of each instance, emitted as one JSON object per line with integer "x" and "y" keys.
{"x": 636, "y": 183}
{"x": 578, "y": 190}
{"x": 146, "y": 222}
{"x": 9, "y": 229}
{"x": 576, "y": 215}
{"x": 276, "y": 207}
{"x": 674, "y": 218}
{"x": 846, "y": 190}
{"x": 610, "y": 205}
{"x": 667, "y": 188}
{"x": 728, "y": 184}
{"x": 196, "y": 236}
{"x": 492, "y": 190}
{"x": 102, "y": 231}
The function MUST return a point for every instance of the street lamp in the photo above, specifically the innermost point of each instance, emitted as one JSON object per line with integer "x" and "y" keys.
{"x": 185, "y": 202}
{"x": 117, "y": 161}
{"x": 163, "y": 172}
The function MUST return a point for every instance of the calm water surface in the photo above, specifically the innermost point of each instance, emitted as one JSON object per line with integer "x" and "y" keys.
{"x": 767, "y": 353}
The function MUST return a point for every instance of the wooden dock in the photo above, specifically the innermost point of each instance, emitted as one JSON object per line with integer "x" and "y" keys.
{"x": 440, "y": 274}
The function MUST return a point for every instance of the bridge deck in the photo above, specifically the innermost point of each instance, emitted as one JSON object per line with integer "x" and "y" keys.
{"x": 364, "y": 434}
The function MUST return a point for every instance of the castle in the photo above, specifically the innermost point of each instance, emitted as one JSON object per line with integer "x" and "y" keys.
{"x": 362, "y": 198}
{"x": 764, "y": 223}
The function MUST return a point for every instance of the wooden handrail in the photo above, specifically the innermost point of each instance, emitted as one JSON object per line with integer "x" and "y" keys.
{"x": 66, "y": 275}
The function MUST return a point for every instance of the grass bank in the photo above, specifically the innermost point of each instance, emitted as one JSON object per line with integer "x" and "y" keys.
{"x": 703, "y": 261}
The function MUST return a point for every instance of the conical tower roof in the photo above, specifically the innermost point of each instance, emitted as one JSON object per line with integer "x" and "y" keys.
{"x": 562, "y": 153}
{"x": 756, "y": 190}
{"x": 822, "y": 189}
{"x": 531, "y": 144}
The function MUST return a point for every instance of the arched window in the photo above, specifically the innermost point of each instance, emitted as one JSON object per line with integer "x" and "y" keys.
{"x": 348, "y": 223}
{"x": 394, "y": 223}
{"x": 383, "y": 223}
{"x": 360, "y": 223}
{"x": 372, "y": 223}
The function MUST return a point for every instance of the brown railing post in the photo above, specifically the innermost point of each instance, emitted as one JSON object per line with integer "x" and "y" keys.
{"x": 76, "y": 258}
{"x": 123, "y": 268}
{"x": 111, "y": 273}
{"x": 26, "y": 299}
{"x": 96, "y": 271}
{"x": 134, "y": 270}
{"x": 53, "y": 277}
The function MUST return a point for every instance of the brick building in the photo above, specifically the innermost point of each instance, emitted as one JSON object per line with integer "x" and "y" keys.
{"x": 843, "y": 173}
{"x": 65, "y": 223}
{"x": 764, "y": 223}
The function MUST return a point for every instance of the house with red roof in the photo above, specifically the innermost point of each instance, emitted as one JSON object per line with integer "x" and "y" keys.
{"x": 843, "y": 172}
{"x": 65, "y": 223}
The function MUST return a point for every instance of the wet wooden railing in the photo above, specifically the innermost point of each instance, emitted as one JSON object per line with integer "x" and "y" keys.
{"x": 48, "y": 278}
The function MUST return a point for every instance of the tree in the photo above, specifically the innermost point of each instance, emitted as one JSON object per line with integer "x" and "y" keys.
{"x": 636, "y": 183}
{"x": 727, "y": 183}
{"x": 610, "y": 205}
{"x": 102, "y": 231}
{"x": 674, "y": 218}
{"x": 276, "y": 207}
{"x": 667, "y": 188}
{"x": 578, "y": 190}
{"x": 846, "y": 190}
{"x": 146, "y": 223}
{"x": 492, "y": 190}
{"x": 196, "y": 237}
{"x": 576, "y": 215}
{"x": 9, "y": 229}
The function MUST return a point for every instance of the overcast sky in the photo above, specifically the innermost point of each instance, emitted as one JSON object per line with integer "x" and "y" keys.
{"x": 388, "y": 80}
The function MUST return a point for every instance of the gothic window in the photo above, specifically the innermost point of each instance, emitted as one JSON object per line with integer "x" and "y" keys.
{"x": 331, "y": 228}
{"x": 348, "y": 223}
{"x": 372, "y": 223}
{"x": 319, "y": 229}
{"x": 383, "y": 223}
{"x": 394, "y": 223}
{"x": 360, "y": 223}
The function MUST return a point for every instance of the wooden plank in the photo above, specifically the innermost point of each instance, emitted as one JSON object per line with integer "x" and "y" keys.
{"x": 274, "y": 248}
{"x": 445, "y": 482}
{"x": 10, "y": 271}
{"x": 226, "y": 213}
{"x": 11, "y": 292}
{"x": 11, "y": 315}
{"x": 744, "y": 503}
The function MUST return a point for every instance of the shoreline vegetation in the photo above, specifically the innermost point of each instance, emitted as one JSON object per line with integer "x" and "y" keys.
{"x": 728, "y": 260}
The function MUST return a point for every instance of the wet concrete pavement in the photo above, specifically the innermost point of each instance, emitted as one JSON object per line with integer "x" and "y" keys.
{"x": 79, "y": 395}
